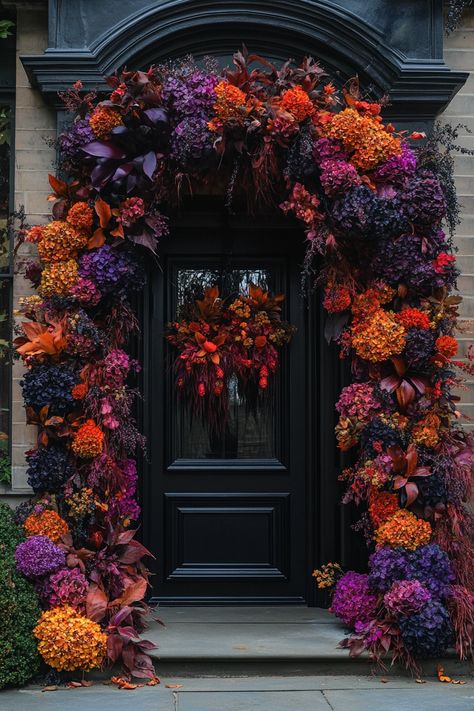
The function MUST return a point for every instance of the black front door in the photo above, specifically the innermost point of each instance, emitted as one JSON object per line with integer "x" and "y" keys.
{"x": 225, "y": 516}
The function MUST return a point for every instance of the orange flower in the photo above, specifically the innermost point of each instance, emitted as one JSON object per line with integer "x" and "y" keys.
{"x": 79, "y": 391}
{"x": 365, "y": 136}
{"x": 46, "y": 523}
{"x": 382, "y": 506}
{"x": 447, "y": 346}
{"x": 60, "y": 241}
{"x": 297, "y": 102}
{"x": 426, "y": 431}
{"x": 378, "y": 337}
{"x": 68, "y": 641}
{"x": 230, "y": 104}
{"x": 58, "y": 277}
{"x": 80, "y": 216}
{"x": 103, "y": 120}
{"x": 88, "y": 441}
{"x": 403, "y": 530}
{"x": 413, "y": 318}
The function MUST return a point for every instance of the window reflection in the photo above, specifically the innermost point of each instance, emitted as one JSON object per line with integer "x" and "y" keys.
{"x": 249, "y": 433}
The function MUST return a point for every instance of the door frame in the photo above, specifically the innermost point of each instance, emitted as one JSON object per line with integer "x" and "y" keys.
{"x": 327, "y": 538}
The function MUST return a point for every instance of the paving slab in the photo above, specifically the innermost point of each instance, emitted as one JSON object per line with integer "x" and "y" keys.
{"x": 439, "y": 698}
{"x": 254, "y": 701}
{"x": 95, "y": 698}
{"x": 284, "y": 614}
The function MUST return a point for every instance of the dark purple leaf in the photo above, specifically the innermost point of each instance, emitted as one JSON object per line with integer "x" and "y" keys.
{"x": 149, "y": 164}
{"x": 101, "y": 174}
{"x": 156, "y": 115}
{"x": 124, "y": 170}
{"x": 145, "y": 239}
{"x": 334, "y": 325}
{"x": 103, "y": 149}
{"x": 389, "y": 383}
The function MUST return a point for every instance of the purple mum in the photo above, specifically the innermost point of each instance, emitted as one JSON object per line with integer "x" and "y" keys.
{"x": 406, "y": 597}
{"x": 38, "y": 556}
{"x": 352, "y": 601}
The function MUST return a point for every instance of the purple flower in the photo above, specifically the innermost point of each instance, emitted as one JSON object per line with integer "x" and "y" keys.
{"x": 352, "y": 601}
{"x": 112, "y": 270}
{"x": 406, "y": 597}
{"x": 358, "y": 400}
{"x": 432, "y": 567}
{"x": 68, "y": 586}
{"x": 86, "y": 292}
{"x": 190, "y": 93}
{"x": 423, "y": 199}
{"x": 48, "y": 468}
{"x": 328, "y": 149}
{"x": 77, "y": 135}
{"x": 386, "y": 566}
{"x": 38, "y": 555}
{"x": 398, "y": 168}
{"x": 429, "y": 632}
{"x": 337, "y": 176}
{"x": 419, "y": 346}
{"x": 49, "y": 385}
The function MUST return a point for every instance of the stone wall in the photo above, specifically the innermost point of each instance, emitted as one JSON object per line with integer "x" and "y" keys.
{"x": 34, "y": 159}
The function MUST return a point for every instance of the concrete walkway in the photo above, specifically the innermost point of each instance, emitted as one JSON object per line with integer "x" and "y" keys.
{"x": 321, "y": 693}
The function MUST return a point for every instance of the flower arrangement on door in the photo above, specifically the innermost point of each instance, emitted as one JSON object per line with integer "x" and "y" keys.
{"x": 240, "y": 337}
{"x": 377, "y": 212}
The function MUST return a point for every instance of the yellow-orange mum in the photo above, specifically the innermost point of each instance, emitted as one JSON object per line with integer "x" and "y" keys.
{"x": 103, "y": 120}
{"x": 88, "y": 441}
{"x": 59, "y": 241}
{"x": 68, "y": 641}
{"x": 403, "y": 530}
{"x": 447, "y": 346}
{"x": 297, "y": 102}
{"x": 363, "y": 135}
{"x": 58, "y": 277}
{"x": 426, "y": 431}
{"x": 46, "y": 523}
{"x": 378, "y": 337}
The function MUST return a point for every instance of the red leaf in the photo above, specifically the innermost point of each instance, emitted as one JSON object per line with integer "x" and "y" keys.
{"x": 134, "y": 552}
{"x": 103, "y": 211}
{"x": 133, "y": 593}
{"x": 405, "y": 394}
{"x": 114, "y": 647}
{"x": 389, "y": 383}
{"x": 399, "y": 482}
{"x": 96, "y": 604}
{"x": 97, "y": 239}
{"x": 419, "y": 383}
{"x": 399, "y": 365}
{"x": 411, "y": 490}
{"x": 59, "y": 186}
{"x": 125, "y": 536}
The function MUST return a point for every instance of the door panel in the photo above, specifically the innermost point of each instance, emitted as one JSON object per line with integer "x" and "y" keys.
{"x": 226, "y": 514}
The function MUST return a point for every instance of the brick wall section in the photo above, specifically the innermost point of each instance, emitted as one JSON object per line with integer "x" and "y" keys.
{"x": 34, "y": 159}
{"x": 459, "y": 54}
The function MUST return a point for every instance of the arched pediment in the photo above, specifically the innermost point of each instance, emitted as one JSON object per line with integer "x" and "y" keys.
{"x": 345, "y": 42}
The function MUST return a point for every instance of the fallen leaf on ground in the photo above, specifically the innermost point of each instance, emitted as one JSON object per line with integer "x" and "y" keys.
{"x": 384, "y": 681}
{"x": 174, "y": 686}
{"x": 442, "y": 676}
{"x": 458, "y": 681}
{"x": 86, "y": 682}
{"x": 153, "y": 682}
{"x": 73, "y": 684}
{"x": 50, "y": 688}
{"x": 420, "y": 681}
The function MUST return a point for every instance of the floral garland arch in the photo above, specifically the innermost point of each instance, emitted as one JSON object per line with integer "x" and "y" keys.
{"x": 374, "y": 207}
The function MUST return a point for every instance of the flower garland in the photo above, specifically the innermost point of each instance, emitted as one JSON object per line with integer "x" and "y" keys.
{"x": 374, "y": 207}
{"x": 223, "y": 339}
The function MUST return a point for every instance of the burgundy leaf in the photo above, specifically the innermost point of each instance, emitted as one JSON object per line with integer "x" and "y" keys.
{"x": 149, "y": 164}
{"x": 389, "y": 383}
{"x": 419, "y": 382}
{"x": 114, "y": 647}
{"x": 96, "y": 603}
{"x": 411, "y": 490}
{"x": 133, "y": 552}
{"x": 399, "y": 482}
{"x": 120, "y": 616}
{"x": 405, "y": 394}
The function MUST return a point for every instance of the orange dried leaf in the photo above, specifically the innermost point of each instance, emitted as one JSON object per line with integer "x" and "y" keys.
{"x": 174, "y": 686}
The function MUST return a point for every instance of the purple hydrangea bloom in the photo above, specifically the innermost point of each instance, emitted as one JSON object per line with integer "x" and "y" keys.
{"x": 67, "y": 586}
{"x": 191, "y": 140}
{"x": 432, "y": 567}
{"x": 112, "y": 270}
{"x": 423, "y": 199}
{"x": 86, "y": 292}
{"x": 77, "y": 135}
{"x": 48, "y": 468}
{"x": 352, "y": 601}
{"x": 397, "y": 168}
{"x": 419, "y": 346}
{"x": 406, "y": 597}
{"x": 49, "y": 385}
{"x": 126, "y": 506}
{"x": 328, "y": 149}
{"x": 191, "y": 94}
{"x": 386, "y": 566}
{"x": 362, "y": 212}
{"x": 337, "y": 176}
{"x": 427, "y": 633}
{"x": 38, "y": 556}
{"x": 358, "y": 400}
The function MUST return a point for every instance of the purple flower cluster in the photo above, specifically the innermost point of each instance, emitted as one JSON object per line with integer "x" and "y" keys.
{"x": 68, "y": 586}
{"x": 406, "y": 597}
{"x": 112, "y": 270}
{"x": 358, "y": 400}
{"x": 76, "y": 136}
{"x": 353, "y": 602}
{"x": 116, "y": 366}
{"x": 398, "y": 168}
{"x": 49, "y": 385}
{"x": 386, "y": 566}
{"x": 423, "y": 199}
{"x": 126, "y": 506}
{"x": 38, "y": 556}
{"x": 429, "y": 632}
{"x": 361, "y": 212}
{"x": 337, "y": 176}
{"x": 86, "y": 292}
{"x": 328, "y": 149}
{"x": 48, "y": 468}
{"x": 419, "y": 346}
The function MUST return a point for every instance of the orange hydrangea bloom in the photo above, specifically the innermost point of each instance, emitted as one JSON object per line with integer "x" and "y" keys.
{"x": 447, "y": 346}
{"x": 79, "y": 391}
{"x": 297, "y": 102}
{"x": 68, "y": 641}
{"x": 103, "y": 120}
{"x": 46, "y": 523}
{"x": 88, "y": 441}
{"x": 60, "y": 241}
{"x": 80, "y": 216}
{"x": 378, "y": 337}
{"x": 365, "y": 136}
{"x": 58, "y": 277}
{"x": 426, "y": 431}
{"x": 230, "y": 104}
{"x": 403, "y": 530}
{"x": 413, "y": 318}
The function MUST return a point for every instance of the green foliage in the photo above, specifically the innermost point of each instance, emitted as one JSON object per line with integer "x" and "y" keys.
{"x": 19, "y": 610}
{"x": 5, "y": 27}
{"x": 5, "y": 468}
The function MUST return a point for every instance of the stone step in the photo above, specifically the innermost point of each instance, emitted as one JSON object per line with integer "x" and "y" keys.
{"x": 463, "y": 38}
{"x": 463, "y": 165}
{"x": 262, "y": 641}
{"x": 466, "y": 226}
{"x": 460, "y": 59}
{"x": 465, "y": 183}
{"x": 462, "y": 103}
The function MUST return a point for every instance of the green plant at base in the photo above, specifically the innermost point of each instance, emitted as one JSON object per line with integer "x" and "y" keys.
{"x": 19, "y": 610}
